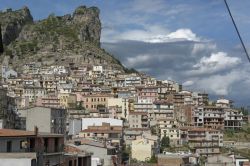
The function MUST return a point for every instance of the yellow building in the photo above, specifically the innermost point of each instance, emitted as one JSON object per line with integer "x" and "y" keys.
{"x": 67, "y": 100}
{"x": 141, "y": 149}
{"x": 93, "y": 101}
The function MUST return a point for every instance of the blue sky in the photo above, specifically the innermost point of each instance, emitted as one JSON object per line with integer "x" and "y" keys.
{"x": 192, "y": 42}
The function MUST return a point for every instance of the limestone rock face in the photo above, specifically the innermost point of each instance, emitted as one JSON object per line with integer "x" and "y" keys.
{"x": 89, "y": 23}
{"x": 12, "y": 23}
{"x": 72, "y": 38}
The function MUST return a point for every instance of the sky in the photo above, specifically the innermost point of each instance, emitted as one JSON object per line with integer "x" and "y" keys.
{"x": 192, "y": 42}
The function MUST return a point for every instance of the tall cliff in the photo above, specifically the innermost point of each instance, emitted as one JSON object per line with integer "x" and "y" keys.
{"x": 12, "y": 23}
{"x": 72, "y": 38}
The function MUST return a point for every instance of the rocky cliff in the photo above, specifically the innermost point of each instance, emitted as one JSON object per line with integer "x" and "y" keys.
{"x": 72, "y": 38}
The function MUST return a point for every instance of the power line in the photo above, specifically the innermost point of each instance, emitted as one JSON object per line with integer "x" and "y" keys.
{"x": 242, "y": 43}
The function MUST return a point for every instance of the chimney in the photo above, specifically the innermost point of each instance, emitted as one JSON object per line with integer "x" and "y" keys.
{"x": 36, "y": 130}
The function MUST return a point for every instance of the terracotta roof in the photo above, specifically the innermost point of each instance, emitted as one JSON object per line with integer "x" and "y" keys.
{"x": 15, "y": 133}
{"x": 23, "y": 133}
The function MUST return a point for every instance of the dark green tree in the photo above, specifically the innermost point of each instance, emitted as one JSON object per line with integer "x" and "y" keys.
{"x": 164, "y": 142}
{"x": 153, "y": 159}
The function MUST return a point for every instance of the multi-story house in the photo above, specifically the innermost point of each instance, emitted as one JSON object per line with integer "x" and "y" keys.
{"x": 93, "y": 101}
{"x": 169, "y": 127}
{"x": 200, "y": 99}
{"x": 32, "y": 93}
{"x": 138, "y": 120}
{"x": 171, "y": 86}
{"x": 161, "y": 109}
{"x": 105, "y": 132}
{"x": 233, "y": 119}
{"x": 132, "y": 80}
{"x": 148, "y": 93}
{"x": 49, "y": 83}
{"x": 123, "y": 103}
{"x": 50, "y": 101}
{"x": 203, "y": 141}
{"x": 103, "y": 154}
{"x": 209, "y": 117}
{"x": 30, "y": 148}
{"x": 179, "y": 99}
{"x": 8, "y": 111}
{"x": 67, "y": 100}
{"x": 52, "y": 120}
{"x": 143, "y": 105}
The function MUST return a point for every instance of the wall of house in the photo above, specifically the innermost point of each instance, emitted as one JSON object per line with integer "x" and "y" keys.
{"x": 98, "y": 153}
{"x": 15, "y": 144}
{"x": 37, "y": 116}
{"x": 16, "y": 162}
{"x": 141, "y": 150}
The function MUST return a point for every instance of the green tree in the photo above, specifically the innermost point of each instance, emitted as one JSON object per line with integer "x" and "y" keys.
{"x": 153, "y": 159}
{"x": 79, "y": 106}
{"x": 164, "y": 142}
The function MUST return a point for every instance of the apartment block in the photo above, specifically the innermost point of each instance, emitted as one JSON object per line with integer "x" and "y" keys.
{"x": 105, "y": 132}
{"x": 203, "y": 141}
{"x": 52, "y": 120}
{"x": 30, "y": 148}
{"x": 138, "y": 120}
{"x": 209, "y": 117}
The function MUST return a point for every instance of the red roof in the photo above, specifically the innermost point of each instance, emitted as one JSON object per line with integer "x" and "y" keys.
{"x": 15, "y": 133}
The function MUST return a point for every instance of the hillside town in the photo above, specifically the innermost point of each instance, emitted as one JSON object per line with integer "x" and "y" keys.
{"x": 95, "y": 115}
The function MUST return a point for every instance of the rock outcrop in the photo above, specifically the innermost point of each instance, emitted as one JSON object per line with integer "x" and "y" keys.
{"x": 89, "y": 22}
{"x": 73, "y": 38}
{"x": 12, "y": 23}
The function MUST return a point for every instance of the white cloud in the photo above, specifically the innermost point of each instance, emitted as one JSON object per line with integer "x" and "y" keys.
{"x": 152, "y": 34}
{"x": 220, "y": 84}
{"x": 183, "y": 34}
{"x": 133, "y": 61}
{"x": 204, "y": 46}
{"x": 188, "y": 83}
{"x": 216, "y": 62}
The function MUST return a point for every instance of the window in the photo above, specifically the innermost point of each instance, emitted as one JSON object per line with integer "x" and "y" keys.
{"x": 23, "y": 144}
{"x": 9, "y": 146}
{"x": 70, "y": 163}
